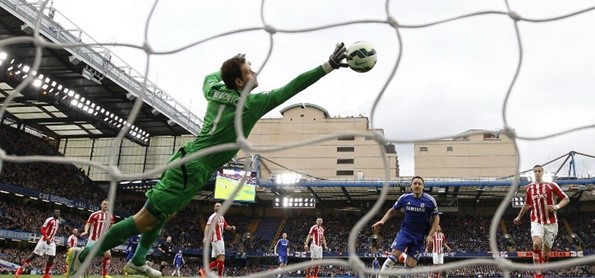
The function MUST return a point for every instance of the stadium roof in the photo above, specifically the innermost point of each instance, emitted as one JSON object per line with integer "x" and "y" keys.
{"x": 304, "y": 105}
{"x": 108, "y": 85}
{"x": 446, "y": 189}
{"x": 474, "y": 189}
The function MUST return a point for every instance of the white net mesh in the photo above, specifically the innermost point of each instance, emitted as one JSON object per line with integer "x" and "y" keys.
{"x": 390, "y": 25}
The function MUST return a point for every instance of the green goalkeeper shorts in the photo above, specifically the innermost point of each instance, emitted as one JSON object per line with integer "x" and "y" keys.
{"x": 177, "y": 187}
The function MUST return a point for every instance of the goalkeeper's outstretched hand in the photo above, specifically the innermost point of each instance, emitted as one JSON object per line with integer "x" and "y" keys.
{"x": 335, "y": 61}
{"x": 338, "y": 55}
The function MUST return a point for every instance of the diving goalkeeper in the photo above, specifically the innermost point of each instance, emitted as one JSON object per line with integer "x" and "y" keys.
{"x": 178, "y": 185}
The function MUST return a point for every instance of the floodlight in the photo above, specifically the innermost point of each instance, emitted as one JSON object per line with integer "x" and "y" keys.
{"x": 27, "y": 29}
{"x": 287, "y": 178}
{"x": 88, "y": 73}
{"x": 518, "y": 202}
{"x": 3, "y": 55}
{"x": 294, "y": 202}
{"x": 74, "y": 60}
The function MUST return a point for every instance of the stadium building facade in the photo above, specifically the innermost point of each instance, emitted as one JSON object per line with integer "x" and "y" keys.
{"x": 344, "y": 158}
{"x": 473, "y": 153}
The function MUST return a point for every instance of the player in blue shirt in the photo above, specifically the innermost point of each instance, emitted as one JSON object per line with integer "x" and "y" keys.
{"x": 131, "y": 248}
{"x": 178, "y": 262}
{"x": 282, "y": 250}
{"x": 375, "y": 264}
{"x": 420, "y": 222}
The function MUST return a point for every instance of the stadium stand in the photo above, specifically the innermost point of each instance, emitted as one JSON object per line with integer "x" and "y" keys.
{"x": 467, "y": 235}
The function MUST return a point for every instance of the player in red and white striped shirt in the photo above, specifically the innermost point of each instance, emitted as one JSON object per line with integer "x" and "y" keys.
{"x": 45, "y": 245}
{"x": 99, "y": 222}
{"x": 316, "y": 233}
{"x": 544, "y": 223}
{"x": 438, "y": 244}
{"x": 217, "y": 225}
{"x": 73, "y": 239}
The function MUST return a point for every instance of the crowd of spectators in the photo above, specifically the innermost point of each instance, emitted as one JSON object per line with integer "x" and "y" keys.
{"x": 19, "y": 214}
{"x": 297, "y": 230}
{"x": 464, "y": 233}
{"x": 337, "y": 229}
{"x": 583, "y": 227}
{"x": 64, "y": 180}
{"x": 22, "y": 214}
{"x": 186, "y": 229}
{"x": 467, "y": 234}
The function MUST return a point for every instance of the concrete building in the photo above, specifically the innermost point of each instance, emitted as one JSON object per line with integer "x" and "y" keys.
{"x": 473, "y": 153}
{"x": 348, "y": 157}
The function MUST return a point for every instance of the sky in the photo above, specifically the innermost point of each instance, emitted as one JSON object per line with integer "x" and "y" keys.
{"x": 451, "y": 77}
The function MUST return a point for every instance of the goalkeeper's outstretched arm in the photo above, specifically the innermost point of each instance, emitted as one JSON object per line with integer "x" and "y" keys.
{"x": 265, "y": 102}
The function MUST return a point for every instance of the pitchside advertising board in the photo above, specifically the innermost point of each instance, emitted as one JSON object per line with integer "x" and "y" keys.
{"x": 33, "y": 194}
{"x": 553, "y": 254}
{"x": 34, "y": 237}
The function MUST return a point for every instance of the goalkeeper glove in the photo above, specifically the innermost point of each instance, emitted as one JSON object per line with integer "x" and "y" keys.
{"x": 336, "y": 58}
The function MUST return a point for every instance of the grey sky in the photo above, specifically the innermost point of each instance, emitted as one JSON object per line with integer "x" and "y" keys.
{"x": 452, "y": 77}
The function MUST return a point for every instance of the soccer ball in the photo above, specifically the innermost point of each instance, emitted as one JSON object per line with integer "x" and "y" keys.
{"x": 361, "y": 56}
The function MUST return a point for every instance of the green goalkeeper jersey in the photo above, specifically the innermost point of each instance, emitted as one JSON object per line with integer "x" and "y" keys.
{"x": 218, "y": 125}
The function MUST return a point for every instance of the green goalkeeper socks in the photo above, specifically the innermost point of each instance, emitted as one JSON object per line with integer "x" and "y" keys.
{"x": 115, "y": 236}
{"x": 146, "y": 241}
